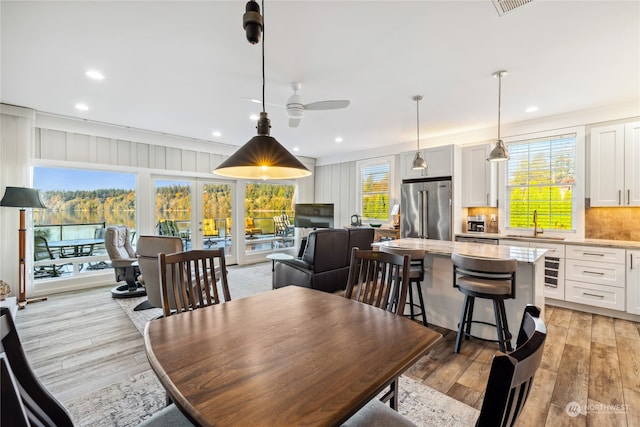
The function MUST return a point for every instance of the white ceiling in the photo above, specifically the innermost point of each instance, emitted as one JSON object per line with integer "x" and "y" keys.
{"x": 185, "y": 68}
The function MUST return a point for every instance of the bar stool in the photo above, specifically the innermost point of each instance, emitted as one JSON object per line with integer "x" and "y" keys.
{"x": 416, "y": 276}
{"x": 486, "y": 278}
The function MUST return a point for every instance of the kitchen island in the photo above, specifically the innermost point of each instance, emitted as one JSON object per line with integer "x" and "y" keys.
{"x": 444, "y": 302}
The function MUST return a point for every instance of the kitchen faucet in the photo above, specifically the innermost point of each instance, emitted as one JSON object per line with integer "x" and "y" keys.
{"x": 535, "y": 224}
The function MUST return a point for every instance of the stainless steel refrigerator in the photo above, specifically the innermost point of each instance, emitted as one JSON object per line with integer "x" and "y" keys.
{"x": 425, "y": 209}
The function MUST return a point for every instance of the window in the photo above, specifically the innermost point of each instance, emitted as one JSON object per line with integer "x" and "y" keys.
{"x": 541, "y": 177}
{"x": 374, "y": 189}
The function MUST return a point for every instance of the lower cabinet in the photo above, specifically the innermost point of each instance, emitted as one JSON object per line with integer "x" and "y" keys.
{"x": 633, "y": 282}
{"x": 596, "y": 276}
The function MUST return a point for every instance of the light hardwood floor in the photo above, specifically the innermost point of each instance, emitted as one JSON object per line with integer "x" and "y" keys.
{"x": 79, "y": 342}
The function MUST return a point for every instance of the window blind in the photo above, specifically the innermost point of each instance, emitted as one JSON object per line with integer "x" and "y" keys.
{"x": 541, "y": 176}
{"x": 374, "y": 191}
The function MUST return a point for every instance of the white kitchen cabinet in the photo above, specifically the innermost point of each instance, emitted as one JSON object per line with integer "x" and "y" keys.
{"x": 439, "y": 163}
{"x": 595, "y": 276}
{"x": 633, "y": 282}
{"x": 477, "y": 189}
{"x": 615, "y": 156}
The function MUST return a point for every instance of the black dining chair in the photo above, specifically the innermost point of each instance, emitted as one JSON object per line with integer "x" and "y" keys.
{"x": 508, "y": 386}
{"x": 27, "y": 401}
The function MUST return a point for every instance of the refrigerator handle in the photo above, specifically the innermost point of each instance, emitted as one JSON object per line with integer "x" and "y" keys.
{"x": 424, "y": 214}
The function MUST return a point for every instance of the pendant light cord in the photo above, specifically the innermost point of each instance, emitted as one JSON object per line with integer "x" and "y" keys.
{"x": 418, "y": 121}
{"x": 264, "y": 110}
{"x": 499, "y": 99}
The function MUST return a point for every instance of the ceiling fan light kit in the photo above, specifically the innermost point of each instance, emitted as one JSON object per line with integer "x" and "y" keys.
{"x": 263, "y": 157}
{"x": 418, "y": 162}
{"x": 499, "y": 153}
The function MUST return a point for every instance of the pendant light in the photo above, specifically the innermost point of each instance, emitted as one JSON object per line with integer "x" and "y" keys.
{"x": 262, "y": 157}
{"x": 418, "y": 161}
{"x": 499, "y": 153}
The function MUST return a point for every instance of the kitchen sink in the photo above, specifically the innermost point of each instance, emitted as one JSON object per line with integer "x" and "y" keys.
{"x": 535, "y": 237}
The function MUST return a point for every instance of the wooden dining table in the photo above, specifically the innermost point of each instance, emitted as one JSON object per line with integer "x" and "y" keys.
{"x": 291, "y": 356}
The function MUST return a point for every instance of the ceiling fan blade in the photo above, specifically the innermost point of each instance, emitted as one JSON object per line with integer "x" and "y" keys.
{"x": 257, "y": 101}
{"x": 293, "y": 123}
{"x": 327, "y": 105}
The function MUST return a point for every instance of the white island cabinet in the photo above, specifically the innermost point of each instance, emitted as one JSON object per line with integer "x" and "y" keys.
{"x": 444, "y": 302}
{"x": 633, "y": 282}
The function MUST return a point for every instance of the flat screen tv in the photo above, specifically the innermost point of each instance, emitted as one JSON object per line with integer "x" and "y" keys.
{"x": 313, "y": 215}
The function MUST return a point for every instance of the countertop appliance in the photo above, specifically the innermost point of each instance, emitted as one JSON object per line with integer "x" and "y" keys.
{"x": 426, "y": 209}
{"x": 476, "y": 224}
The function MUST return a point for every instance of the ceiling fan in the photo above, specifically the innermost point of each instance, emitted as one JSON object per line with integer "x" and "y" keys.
{"x": 296, "y": 106}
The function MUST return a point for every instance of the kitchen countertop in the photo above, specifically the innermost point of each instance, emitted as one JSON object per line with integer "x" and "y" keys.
{"x": 622, "y": 244}
{"x": 446, "y": 248}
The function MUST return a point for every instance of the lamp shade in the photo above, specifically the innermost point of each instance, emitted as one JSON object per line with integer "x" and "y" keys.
{"x": 262, "y": 158}
{"x": 499, "y": 153}
{"x": 418, "y": 162}
{"x": 21, "y": 197}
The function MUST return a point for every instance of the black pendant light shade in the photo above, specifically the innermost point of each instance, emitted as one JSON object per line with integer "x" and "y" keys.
{"x": 499, "y": 153}
{"x": 262, "y": 157}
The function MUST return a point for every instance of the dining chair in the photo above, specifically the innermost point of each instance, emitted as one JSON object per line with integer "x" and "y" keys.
{"x": 27, "y": 401}
{"x": 416, "y": 276}
{"x": 380, "y": 279}
{"x": 190, "y": 280}
{"x": 373, "y": 280}
{"x": 508, "y": 386}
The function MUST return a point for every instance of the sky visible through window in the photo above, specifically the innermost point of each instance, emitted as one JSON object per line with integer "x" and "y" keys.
{"x": 47, "y": 179}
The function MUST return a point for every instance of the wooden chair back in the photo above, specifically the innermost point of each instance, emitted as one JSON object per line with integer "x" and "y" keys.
{"x": 20, "y": 385}
{"x": 192, "y": 278}
{"x": 379, "y": 279}
{"x": 511, "y": 375}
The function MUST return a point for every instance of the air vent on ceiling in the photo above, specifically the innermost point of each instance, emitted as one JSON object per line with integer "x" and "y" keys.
{"x": 505, "y": 6}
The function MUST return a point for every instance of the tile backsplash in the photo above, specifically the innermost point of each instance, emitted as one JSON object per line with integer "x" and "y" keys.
{"x": 612, "y": 223}
{"x": 492, "y": 227}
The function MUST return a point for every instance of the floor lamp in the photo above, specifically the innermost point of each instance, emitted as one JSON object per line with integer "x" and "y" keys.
{"x": 20, "y": 197}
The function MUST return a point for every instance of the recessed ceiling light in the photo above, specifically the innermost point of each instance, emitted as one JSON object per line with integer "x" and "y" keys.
{"x": 94, "y": 74}
{"x": 296, "y": 149}
{"x": 339, "y": 139}
{"x": 217, "y": 134}
{"x": 531, "y": 109}
{"x": 82, "y": 107}
{"x": 254, "y": 117}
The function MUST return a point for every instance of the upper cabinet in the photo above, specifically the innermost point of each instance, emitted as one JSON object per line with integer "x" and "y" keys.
{"x": 439, "y": 163}
{"x": 615, "y": 156}
{"x": 477, "y": 189}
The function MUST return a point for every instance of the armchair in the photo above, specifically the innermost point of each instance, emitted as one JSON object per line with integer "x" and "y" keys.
{"x": 124, "y": 262}
{"x": 250, "y": 227}
{"x": 148, "y": 249}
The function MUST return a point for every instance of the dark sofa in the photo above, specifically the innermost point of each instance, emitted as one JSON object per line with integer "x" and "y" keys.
{"x": 324, "y": 264}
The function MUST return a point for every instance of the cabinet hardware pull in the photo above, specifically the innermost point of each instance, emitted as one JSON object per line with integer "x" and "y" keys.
{"x": 631, "y": 263}
{"x": 628, "y": 196}
{"x": 598, "y": 273}
{"x": 487, "y": 198}
{"x": 619, "y": 197}
{"x": 592, "y": 253}
{"x": 592, "y": 295}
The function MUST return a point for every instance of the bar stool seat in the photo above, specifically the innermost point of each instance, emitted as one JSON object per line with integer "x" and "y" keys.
{"x": 416, "y": 276}
{"x": 486, "y": 278}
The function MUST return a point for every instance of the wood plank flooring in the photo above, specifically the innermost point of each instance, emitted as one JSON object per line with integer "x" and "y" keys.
{"x": 80, "y": 342}
{"x": 589, "y": 359}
